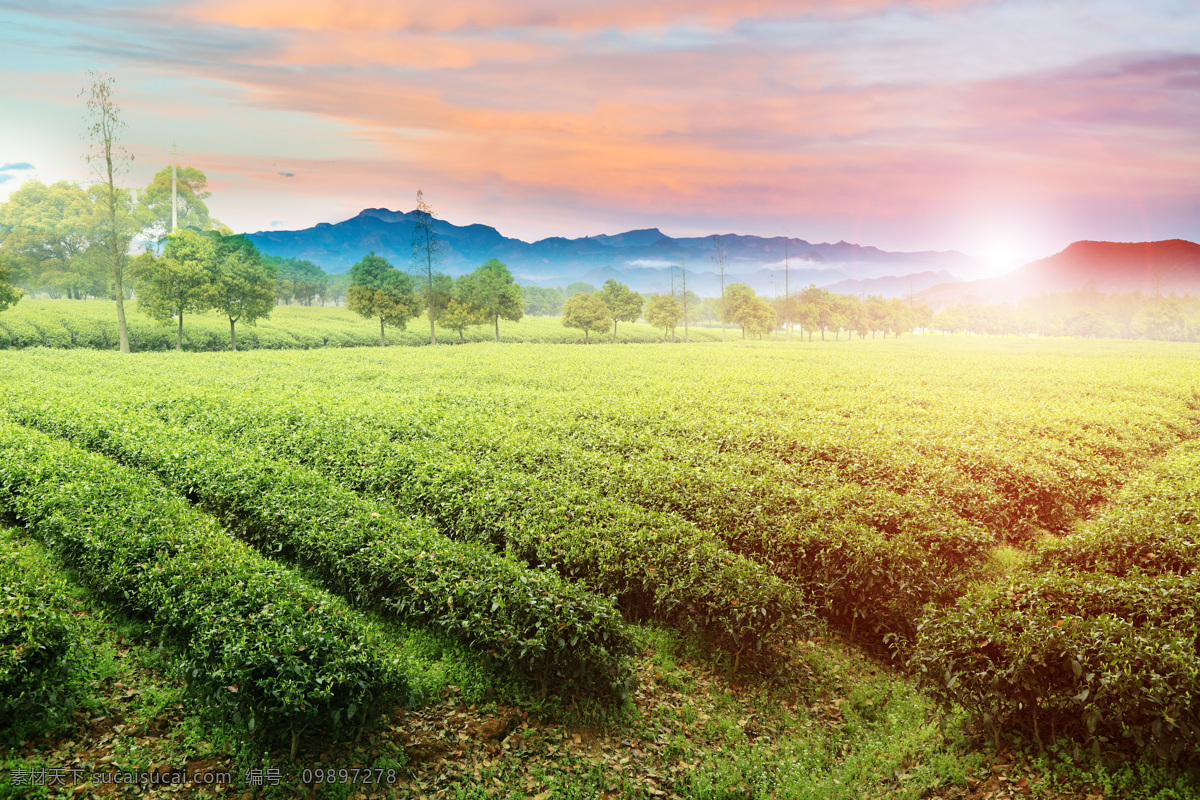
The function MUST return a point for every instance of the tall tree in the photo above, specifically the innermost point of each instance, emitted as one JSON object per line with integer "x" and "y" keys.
{"x": 297, "y": 279}
{"x": 718, "y": 259}
{"x": 177, "y": 282}
{"x": 191, "y": 190}
{"x": 663, "y": 311}
{"x": 624, "y": 304}
{"x": 586, "y": 312}
{"x": 115, "y": 225}
{"x": 426, "y": 256}
{"x": 736, "y": 296}
{"x": 240, "y": 285}
{"x": 379, "y": 290}
{"x": 492, "y": 290}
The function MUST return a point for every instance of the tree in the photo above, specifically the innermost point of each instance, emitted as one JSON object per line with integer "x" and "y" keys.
{"x": 624, "y": 304}
{"x": 663, "y": 311}
{"x": 45, "y": 230}
{"x": 539, "y": 302}
{"x": 587, "y": 312}
{"x": 177, "y": 282}
{"x": 756, "y": 316}
{"x": 379, "y": 290}
{"x": 9, "y": 294}
{"x": 491, "y": 289}
{"x": 240, "y": 285}
{"x": 576, "y": 287}
{"x": 191, "y": 190}
{"x": 458, "y": 313}
{"x": 442, "y": 288}
{"x": 426, "y": 255}
{"x": 336, "y": 287}
{"x": 115, "y": 225}
{"x": 298, "y": 279}
{"x": 718, "y": 258}
{"x": 736, "y": 296}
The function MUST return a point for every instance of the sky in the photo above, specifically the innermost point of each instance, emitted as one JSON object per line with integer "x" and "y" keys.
{"x": 1005, "y": 129}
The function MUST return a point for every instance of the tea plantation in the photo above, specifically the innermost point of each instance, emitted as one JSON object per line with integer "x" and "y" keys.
{"x": 857, "y": 569}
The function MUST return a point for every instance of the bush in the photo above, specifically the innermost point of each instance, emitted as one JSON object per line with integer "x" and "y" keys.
{"x": 1093, "y": 658}
{"x": 37, "y": 635}
{"x": 260, "y": 644}
{"x": 532, "y": 620}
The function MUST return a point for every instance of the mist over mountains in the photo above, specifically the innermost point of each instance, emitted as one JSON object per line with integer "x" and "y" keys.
{"x": 641, "y": 259}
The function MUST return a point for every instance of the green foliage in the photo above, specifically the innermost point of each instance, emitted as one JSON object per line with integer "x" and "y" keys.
{"x": 491, "y": 290}
{"x": 756, "y": 316}
{"x": 298, "y": 279}
{"x": 1098, "y": 659}
{"x": 37, "y": 636}
{"x": 191, "y": 191}
{"x": 532, "y": 621}
{"x": 379, "y": 290}
{"x": 9, "y": 294}
{"x": 624, "y": 304}
{"x": 46, "y": 232}
{"x": 575, "y": 287}
{"x": 663, "y": 311}
{"x": 261, "y": 646}
{"x": 656, "y": 566}
{"x": 586, "y": 312}
{"x": 179, "y": 282}
{"x": 540, "y": 302}
{"x": 240, "y": 286}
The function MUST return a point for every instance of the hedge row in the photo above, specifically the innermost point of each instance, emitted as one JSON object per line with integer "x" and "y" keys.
{"x": 1105, "y": 645}
{"x": 260, "y": 644}
{"x": 1152, "y": 527}
{"x": 1090, "y": 658}
{"x": 658, "y": 565}
{"x": 36, "y": 636}
{"x": 544, "y": 627}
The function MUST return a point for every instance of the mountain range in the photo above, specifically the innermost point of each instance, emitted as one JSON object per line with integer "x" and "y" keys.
{"x": 642, "y": 259}
{"x": 647, "y": 260}
{"x": 1165, "y": 266}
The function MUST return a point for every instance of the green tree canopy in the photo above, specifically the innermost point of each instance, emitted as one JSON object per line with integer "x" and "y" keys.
{"x": 379, "y": 290}
{"x": 663, "y": 311}
{"x": 240, "y": 285}
{"x": 458, "y": 314}
{"x": 192, "y": 190}
{"x": 177, "y": 282}
{"x": 576, "y": 287}
{"x": 298, "y": 279}
{"x": 624, "y": 304}
{"x": 736, "y": 296}
{"x": 756, "y": 316}
{"x": 491, "y": 289}
{"x": 539, "y": 302}
{"x": 47, "y": 233}
{"x": 9, "y": 294}
{"x": 586, "y": 312}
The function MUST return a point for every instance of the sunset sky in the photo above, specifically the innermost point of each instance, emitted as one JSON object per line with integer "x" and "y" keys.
{"x": 1004, "y": 129}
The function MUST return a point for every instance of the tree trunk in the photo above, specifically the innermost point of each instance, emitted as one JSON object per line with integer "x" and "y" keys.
{"x": 585, "y": 336}
{"x": 614, "y": 331}
{"x": 179, "y": 335}
{"x": 382, "y": 341}
{"x": 461, "y": 340}
{"x": 497, "y": 329}
{"x": 232, "y": 335}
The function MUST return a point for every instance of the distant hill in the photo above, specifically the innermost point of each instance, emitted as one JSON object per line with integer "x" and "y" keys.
{"x": 642, "y": 259}
{"x": 1167, "y": 266}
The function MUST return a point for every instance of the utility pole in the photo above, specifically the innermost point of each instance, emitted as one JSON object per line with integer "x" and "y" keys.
{"x": 174, "y": 192}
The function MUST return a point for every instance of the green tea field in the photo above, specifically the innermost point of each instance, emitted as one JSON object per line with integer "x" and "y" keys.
{"x": 919, "y": 567}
